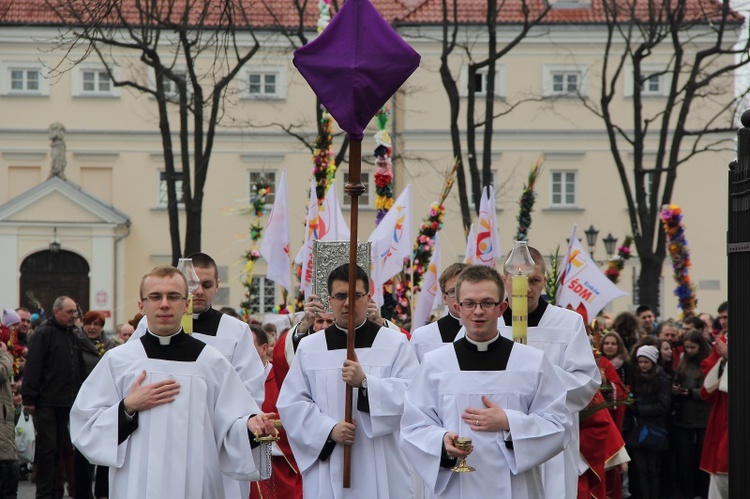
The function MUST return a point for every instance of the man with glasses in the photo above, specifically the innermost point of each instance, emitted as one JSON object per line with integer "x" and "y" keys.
{"x": 445, "y": 329}
{"x": 561, "y": 335}
{"x": 505, "y": 396}
{"x": 168, "y": 413}
{"x": 52, "y": 377}
{"x": 312, "y": 399}
{"x": 230, "y": 336}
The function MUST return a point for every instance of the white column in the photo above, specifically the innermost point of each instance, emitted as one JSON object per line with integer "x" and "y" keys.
{"x": 102, "y": 273}
{"x": 10, "y": 273}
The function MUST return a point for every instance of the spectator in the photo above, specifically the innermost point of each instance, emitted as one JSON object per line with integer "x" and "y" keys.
{"x": 9, "y": 472}
{"x": 647, "y": 318}
{"x": 613, "y": 349}
{"x": 272, "y": 333}
{"x": 52, "y": 379}
{"x": 628, "y": 327}
{"x": 691, "y": 416}
{"x": 653, "y": 394}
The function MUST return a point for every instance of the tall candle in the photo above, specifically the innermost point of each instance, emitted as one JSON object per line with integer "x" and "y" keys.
{"x": 520, "y": 308}
{"x": 187, "y": 317}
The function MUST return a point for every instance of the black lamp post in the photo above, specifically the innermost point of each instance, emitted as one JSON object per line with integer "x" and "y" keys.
{"x": 610, "y": 243}
{"x": 591, "y": 235}
{"x": 54, "y": 246}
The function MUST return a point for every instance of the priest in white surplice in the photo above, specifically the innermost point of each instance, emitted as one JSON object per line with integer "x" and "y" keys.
{"x": 444, "y": 330}
{"x": 168, "y": 414}
{"x": 561, "y": 335}
{"x": 505, "y": 396}
{"x": 311, "y": 402}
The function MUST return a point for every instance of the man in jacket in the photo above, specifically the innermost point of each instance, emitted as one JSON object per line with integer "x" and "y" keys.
{"x": 51, "y": 382}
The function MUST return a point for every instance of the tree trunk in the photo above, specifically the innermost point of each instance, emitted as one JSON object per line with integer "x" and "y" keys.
{"x": 649, "y": 280}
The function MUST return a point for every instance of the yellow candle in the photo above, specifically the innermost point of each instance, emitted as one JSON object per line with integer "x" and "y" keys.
{"x": 520, "y": 307}
{"x": 187, "y": 318}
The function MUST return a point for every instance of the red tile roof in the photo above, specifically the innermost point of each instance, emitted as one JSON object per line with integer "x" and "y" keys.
{"x": 270, "y": 13}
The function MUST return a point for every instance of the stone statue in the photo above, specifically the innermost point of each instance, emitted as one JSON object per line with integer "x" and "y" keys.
{"x": 57, "y": 137}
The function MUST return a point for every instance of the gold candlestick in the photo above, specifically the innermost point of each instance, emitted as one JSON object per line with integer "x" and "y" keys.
{"x": 463, "y": 444}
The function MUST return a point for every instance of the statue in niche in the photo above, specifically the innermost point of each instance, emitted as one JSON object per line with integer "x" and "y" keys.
{"x": 57, "y": 137}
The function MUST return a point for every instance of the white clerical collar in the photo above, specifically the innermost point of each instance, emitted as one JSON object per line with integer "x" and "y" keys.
{"x": 482, "y": 346}
{"x": 164, "y": 340}
{"x": 197, "y": 315}
{"x": 347, "y": 329}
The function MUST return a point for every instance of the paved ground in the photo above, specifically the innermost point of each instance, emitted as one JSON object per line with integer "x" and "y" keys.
{"x": 27, "y": 490}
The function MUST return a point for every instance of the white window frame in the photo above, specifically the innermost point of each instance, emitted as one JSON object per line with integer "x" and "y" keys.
{"x": 501, "y": 87}
{"x": 366, "y": 200}
{"x": 6, "y": 82}
{"x": 79, "y": 79}
{"x": 266, "y": 297}
{"x": 171, "y": 91}
{"x": 161, "y": 190}
{"x": 649, "y": 70}
{"x": 252, "y": 176}
{"x": 551, "y": 70}
{"x": 563, "y": 182}
{"x": 280, "y": 85}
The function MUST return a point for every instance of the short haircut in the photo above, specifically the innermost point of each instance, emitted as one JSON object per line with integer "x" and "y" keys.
{"x": 666, "y": 324}
{"x": 260, "y": 336}
{"x": 643, "y": 308}
{"x": 204, "y": 261}
{"x": 60, "y": 302}
{"x": 536, "y": 255}
{"x": 270, "y": 328}
{"x": 449, "y": 273}
{"x": 723, "y": 307}
{"x": 163, "y": 271}
{"x": 23, "y": 309}
{"x": 230, "y": 312}
{"x": 341, "y": 273}
{"x": 91, "y": 316}
{"x": 695, "y": 322}
{"x": 479, "y": 273}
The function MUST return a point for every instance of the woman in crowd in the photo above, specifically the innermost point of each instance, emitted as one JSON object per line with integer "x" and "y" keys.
{"x": 627, "y": 326}
{"x": 653, "y": 399}
{"x": 691, "y": 416}
{"x": 666, "y": 354}
{"x": 613, "y": 349}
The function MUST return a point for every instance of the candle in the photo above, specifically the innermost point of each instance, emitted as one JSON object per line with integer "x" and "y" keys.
{"x": 520, "y": 307}
{"x": 187, "y": 317}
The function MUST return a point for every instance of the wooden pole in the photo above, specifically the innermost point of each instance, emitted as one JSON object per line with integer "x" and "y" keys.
{"x": 354, "y": 188}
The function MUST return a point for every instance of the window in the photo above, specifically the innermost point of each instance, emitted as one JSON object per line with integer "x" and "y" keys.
{"x": 94, "y": 82}
{"x": 267, "y": 176}
{"x": 655, "y": 81}
{"x": 564, "y": 82}
{"x": 171, "y": 91}
{"x": 265, "y": 83}
{"x": 366, "y": 199}
{"x": 162, "y": 201}
{"x": 479, "y": 85}
{"x": 563, "y": 189}
{"x": 652, "y": 85}
{"x": 265, "y": 296}
{"x": 25, "y": 80}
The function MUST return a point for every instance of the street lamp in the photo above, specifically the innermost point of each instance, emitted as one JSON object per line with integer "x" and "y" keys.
{"x": 591, "y": 234}
{"x": 54, "y": 246}
{"x": 610, "y": 243}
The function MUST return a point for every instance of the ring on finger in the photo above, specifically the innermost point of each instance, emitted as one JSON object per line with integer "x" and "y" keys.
{"x": 476, "y": 423}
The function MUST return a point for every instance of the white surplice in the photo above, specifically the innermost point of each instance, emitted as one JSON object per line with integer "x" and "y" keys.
{"x": 533, "y": 399}
{"x": 180, "y": 449}
{"x": 312, "y": 401}
{"x": 427, "y": 338}
{"x": 562, "y": 337}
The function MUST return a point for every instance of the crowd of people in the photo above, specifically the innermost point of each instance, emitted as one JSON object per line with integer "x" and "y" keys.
{"x": 629, "y": 406}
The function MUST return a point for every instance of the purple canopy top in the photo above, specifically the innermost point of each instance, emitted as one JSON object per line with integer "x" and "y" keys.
{"x": 355, "y": 65}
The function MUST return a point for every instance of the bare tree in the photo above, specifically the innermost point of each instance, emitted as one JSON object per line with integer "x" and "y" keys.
{"x": 687, "y": 54}
{"x": 480, "y": 89}
{"x": 188, "y": 52}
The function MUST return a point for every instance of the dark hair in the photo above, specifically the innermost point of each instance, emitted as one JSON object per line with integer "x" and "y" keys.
{"x": 479, "y": 273}
{"x": 695, "y": 322}
{"x": 341, "y": 273}
{"x": 646, "y": 340}
{"x": 449, "y": 273}
{"x": 23, "y": 309}
{"x": 137, "y": 318}
{"x": 626, "y": 324}
{"x": 723, "y": 307}
{"x": 92, "y": 316}
{"x": 667, "y": 323}
{"x": 260, "y": 336}
{"x": 204, "y": 261}
{"x": 230, "y": 312}
{"x": 269, "y": 327}
{"x": 643, "y": 308}
{"x": 704, "y": 350}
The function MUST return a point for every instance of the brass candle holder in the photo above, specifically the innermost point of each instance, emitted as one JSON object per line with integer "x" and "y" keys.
{"x": 463, "y": 444}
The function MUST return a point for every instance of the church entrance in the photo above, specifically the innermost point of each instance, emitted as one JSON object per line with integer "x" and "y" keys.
{"x": 46, "y": 275}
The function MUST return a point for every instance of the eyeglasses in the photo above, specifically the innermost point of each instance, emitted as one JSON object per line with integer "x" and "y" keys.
{"x": 450, "y": 293}
{"x": 158, "y": 297}
{"x": 344, "y": 296}
{"x": 471, "y": 305}
{"x": 321, "y": 321}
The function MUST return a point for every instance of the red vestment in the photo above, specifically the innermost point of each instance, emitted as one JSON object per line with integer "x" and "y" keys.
{"x": 715, "y": 456}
